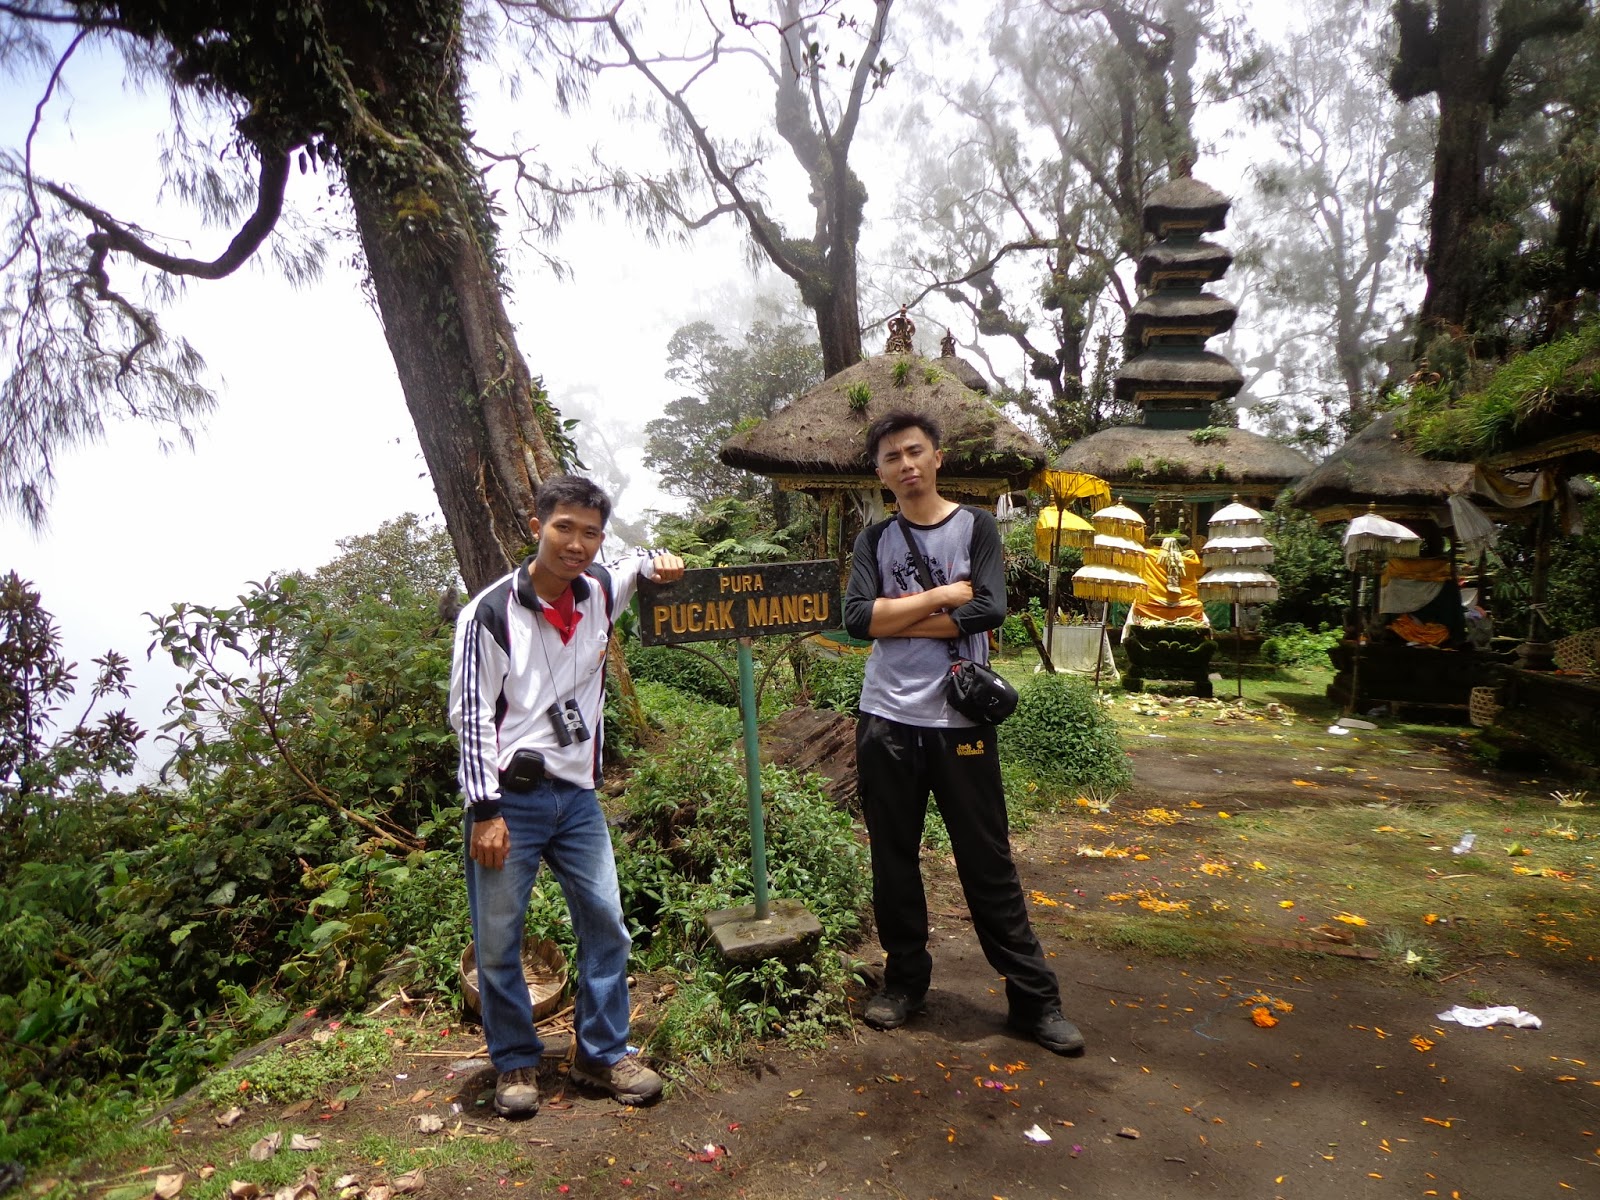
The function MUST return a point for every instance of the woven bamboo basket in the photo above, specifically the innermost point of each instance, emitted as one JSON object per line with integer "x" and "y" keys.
{"x": 544, "y": 970}
{"x": 1578, "y": 652}
{"x": 1482, "y": 706}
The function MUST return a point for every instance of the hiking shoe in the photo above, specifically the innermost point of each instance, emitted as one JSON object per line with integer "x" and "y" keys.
{"x": 1051, "y": 1030}
{"x": 516, "y": 1092}
{"x": 627, "y": 1079}
{"x": 890, "y": 1010}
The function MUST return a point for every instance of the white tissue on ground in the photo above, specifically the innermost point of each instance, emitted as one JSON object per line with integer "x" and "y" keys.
{"x": 1482, "y": 1018}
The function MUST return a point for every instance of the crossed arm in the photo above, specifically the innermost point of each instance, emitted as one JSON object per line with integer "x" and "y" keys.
{"x": 922, "y": 614}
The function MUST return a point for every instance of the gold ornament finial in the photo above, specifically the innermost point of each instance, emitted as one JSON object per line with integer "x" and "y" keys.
{"x": 900, "y": 332}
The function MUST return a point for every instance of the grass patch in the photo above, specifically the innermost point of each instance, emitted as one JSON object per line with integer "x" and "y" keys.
{"x": 307, "y": 1069}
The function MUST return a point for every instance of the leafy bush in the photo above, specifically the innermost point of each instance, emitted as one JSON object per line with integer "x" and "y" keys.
{"x": 835, "y": 682}
{"x": 1064, "y": 738}
{"x": 684, "y": 671}
{"x": 1309, "y": 568}
{"x": 687, "y": 852}
{"x": 306, "y": 1069}
{"x": 1294, "y": 645}
{"x": 154, "y": 931}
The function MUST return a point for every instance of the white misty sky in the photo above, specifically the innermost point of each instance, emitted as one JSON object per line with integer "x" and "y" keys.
{"x": 311, "y": 440}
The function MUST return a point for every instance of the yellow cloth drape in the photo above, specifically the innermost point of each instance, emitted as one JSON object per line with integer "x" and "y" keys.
{"x": 1422, "y": 570}
{"x": 1159, "y": 602}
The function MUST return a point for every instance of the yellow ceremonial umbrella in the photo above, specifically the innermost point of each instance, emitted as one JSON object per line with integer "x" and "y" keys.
{"x": 1062, "y": 486}
{"x": 1057, "y": 527}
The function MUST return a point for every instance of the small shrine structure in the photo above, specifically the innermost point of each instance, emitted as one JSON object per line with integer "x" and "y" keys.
{"x": 1173, "y": 463}
{"x": 1452, "y": 506}
{"x": 1533, "y": 432}
{"x": 815, "y": 445}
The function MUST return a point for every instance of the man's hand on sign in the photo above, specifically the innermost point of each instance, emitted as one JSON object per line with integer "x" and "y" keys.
{"x": 666, "y": 568}
{"x": 490, "y": 843}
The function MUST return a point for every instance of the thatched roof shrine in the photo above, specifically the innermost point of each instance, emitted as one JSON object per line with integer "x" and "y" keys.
{"x": 1376, "y": 465}
{"x": 1199, "y": 465}
{"x": 1539, "y": 408}
{"x": 816, "y": 442}
{"x": 1377, "y": 468}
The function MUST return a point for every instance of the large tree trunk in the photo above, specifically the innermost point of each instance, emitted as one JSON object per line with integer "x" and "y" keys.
{"x": 1453, "y": 272}
{"x": 838, "y": 313}
{"x": 1444, "y": 48}
{"x": 485, "y": 511}
{"x": 426, "y": 228}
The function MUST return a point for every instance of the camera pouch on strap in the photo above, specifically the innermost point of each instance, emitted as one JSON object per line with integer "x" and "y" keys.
{"x": 973, "y": 690}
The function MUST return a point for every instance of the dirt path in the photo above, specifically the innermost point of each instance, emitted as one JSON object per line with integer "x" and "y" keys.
{"x": 1357, "y": 1091}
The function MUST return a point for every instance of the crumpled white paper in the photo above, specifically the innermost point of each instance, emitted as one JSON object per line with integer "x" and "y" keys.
{"x": 1482, "y": 1018}
{"x": 1036, "y": 1134}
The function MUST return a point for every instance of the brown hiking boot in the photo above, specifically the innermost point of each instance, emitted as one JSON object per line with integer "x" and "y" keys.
{"x": 516, "y": 1092}
{"x": 627, "y": 1079}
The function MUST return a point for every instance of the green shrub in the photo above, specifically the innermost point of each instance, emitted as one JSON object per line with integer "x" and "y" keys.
{"x": 1294, "y": 645}
{"x": 1062, "y": 735}
{"x": 686, "y": 851}
{"x": 306, "y": 1069}
{"x": 684, "y": 671}
{"x": 835, "y": 682}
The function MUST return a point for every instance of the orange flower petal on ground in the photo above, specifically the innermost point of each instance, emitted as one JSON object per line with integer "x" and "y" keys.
{"x": 1262, "y": 1017}
{"x": 1350, "y": 919}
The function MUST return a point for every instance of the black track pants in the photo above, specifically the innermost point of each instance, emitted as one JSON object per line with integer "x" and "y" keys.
{"x": 898, "y": 765}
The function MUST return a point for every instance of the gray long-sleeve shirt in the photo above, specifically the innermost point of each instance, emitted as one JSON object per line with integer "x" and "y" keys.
{"x": 905, "y": 675}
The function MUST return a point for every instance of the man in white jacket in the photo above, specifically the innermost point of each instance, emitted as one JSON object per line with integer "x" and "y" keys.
{"x": 527, "y": 690}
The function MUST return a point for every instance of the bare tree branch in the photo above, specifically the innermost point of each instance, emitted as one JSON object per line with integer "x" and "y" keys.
{"x": 761, "y": 227}
{"x": 113, "y": 236}
{"x": 25, "y": 236}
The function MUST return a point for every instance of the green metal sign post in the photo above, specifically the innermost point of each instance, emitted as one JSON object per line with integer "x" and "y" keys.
{"x": 741, "y": 604}
{"x": 752, "y": 776}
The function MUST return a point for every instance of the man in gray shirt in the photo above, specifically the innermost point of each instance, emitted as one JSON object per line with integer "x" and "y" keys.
{"x": 909, "y": 741}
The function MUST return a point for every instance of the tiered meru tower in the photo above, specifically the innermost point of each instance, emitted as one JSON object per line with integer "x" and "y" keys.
{"x": 1173, "y": 380}
{"x": 1174, "y": 463}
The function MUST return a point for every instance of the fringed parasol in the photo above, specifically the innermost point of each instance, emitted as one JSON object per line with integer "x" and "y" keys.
{"x": 1107, "y": 584}
{"x": 1373, "y": 537}
{"x": 1124, "y": 554}
{"x": 1240, "y": 585}
{"x": 1112, "y": 564}
{"x": 1237, "y": 539}
{"x": 1235, "y": 554}
{"x": 1059, "y": 527}
{"x": 1119, "y": 521}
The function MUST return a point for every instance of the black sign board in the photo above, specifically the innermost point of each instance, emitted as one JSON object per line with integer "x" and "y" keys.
{"x": 736, "y": 602}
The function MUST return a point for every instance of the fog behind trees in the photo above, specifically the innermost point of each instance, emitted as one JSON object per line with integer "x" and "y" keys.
{"x": 987, "y": 164}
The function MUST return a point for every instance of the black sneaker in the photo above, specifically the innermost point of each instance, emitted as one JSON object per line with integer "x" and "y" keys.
{"x": 1051, "y": 1030}
{"x": 890, "y": 1010}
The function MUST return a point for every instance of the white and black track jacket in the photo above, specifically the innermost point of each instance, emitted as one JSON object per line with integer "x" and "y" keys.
{"x": 510, "y": 666}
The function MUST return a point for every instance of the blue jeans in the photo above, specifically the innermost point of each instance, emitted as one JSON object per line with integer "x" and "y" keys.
{"x": 561, "y": 824}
